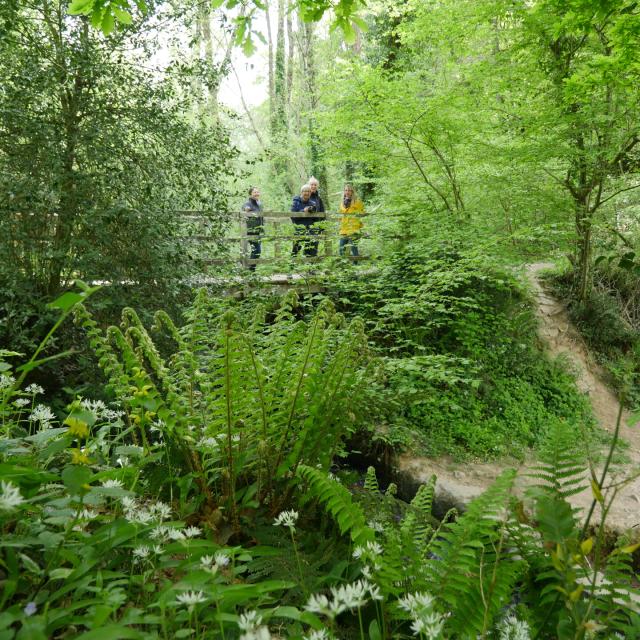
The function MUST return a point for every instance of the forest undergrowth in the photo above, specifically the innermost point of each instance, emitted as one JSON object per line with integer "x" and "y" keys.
{"x": 199, "y": 502}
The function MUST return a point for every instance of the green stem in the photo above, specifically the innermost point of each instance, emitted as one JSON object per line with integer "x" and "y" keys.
{"x": 295, "y": 551}
{"x": 361, "y": 625}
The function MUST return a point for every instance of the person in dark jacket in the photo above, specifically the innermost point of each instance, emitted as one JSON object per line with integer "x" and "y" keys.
{"x": 254, "y": 222}
{"x": 314, "y": 228}
{"x": 303, "y": 204}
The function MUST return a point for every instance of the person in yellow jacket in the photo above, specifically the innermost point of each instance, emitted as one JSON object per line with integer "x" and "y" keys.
{"x": 351, "y": 209}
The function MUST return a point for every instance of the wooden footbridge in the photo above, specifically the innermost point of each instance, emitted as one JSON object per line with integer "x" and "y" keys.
{"x": 277, "y": 237}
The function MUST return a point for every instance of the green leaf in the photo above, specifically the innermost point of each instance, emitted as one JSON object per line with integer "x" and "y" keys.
{"x": 61, "y": 573}
{"x": 75, "y": 477}
{"x": 374, "y": 631}
{"x": 108, "y": 23}
{"x": 360, "y": 22}
{"x": 78, "y": 7}
{"x": 66, "y": 301}
{"x": 123, "y": 16}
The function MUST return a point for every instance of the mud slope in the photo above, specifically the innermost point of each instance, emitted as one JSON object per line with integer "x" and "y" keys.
{"x": 460, "y": 482}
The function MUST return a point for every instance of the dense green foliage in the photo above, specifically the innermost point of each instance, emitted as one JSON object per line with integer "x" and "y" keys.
{"x": 187, "y": 474}
{"x": 456, "y": 332}
{"x": 96, "y": 156}
{"x": 151, "y": 519}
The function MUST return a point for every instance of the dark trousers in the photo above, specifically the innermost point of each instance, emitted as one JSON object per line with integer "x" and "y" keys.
{"x": 256, "y": 250}
{"x": 348, "y": 240}
{"x": 310, "y": 247}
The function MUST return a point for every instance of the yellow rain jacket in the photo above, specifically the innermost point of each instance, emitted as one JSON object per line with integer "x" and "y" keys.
{"x": 350, "y": 225}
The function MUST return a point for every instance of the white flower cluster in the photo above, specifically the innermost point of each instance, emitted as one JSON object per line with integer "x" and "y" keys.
{"x": 113, "y": 484}
{"x": 10, "y": 496}
{"x": 6, "y": 382}
{"x": 370, "y": 550}
{"x": 191, "y": 598}
{"x": 35, "y": 389}
{"x": 43, "y": 415}
{"x": 100, "y": 410}
{"x": 211, "y": 564}
{"x": 425, "y": 621}
{"x": 348, "y": 596}
{"x": 513, "y": 629}
{"x": 136, "y": 514}
{"x": 250, "y": 623}
{"x": 21, "y": 402}
{"x": 287, "y": 519}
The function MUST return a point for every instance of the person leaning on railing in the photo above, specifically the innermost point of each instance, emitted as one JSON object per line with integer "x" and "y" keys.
{"x": 304, "y": 204}
{"x": 351, "y": 209}
{"x": 254, "y": 223}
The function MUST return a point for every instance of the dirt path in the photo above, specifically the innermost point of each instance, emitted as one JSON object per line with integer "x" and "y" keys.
{"x": 460, "y": 482}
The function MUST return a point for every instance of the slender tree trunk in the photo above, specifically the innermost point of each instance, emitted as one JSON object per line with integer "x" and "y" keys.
{"x": 290, "y": 50}
{"x": 272, "y": 90}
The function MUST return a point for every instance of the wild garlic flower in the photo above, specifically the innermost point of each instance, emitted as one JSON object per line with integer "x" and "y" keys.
{"x": 425, "y": 621}
{"x": 43, "y": 415}
{"x": 374, "y": 548}
{"x": 110, "y": 415}
{"x": 159, "y": 533}
{"x": 175, "y": 534}
{"x": 430, "y": 625}
{"x": 249, "y": 621}
{"x": 414, "y": 602}
{"x": 141, "y": 552}
{"x": 349, "y": 596}
{"x": 208, "y": 563}
{"x": 221, "y": 559}
{"x": 112, "y": 484}
{"x": 10, "y": 496}
{"x": 287, "y": 519}
{"x": 160, "y": 511}
{"x": 34, "y": 389}
{"x": 6, "y": 381}
{"x": 376, "y": 526}
{"x": 192, "y": 532}
{"x": 319, "y": 603}
{"x": 513, "y": 629}
{"x": 97, "y": 407}
{"x": 373, "y": 589}
{"x": 21, "y": 402}
{"x": 191, "y": 598}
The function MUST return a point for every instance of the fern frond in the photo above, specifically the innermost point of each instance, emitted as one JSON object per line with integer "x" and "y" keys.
{"x": 371, "y": 481}
{"x": 469, "y": 561}
{"x": 338, "y": 502}
{"x": 563, "y": 464}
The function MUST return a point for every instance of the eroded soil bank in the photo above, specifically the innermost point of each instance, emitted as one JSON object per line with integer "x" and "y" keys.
{"x": 458, "y": 483}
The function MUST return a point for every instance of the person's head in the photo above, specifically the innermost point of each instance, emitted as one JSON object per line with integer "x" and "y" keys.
{"x": 254, "y": 193}
{"x": 349, "y": 192}
{"x": 305, "y": 192}
{"x": 313, "y": 184}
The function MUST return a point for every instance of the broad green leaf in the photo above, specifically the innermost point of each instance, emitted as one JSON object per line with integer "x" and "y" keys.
{"x": 66, "y": 301}
{"x": 75, "y": 477}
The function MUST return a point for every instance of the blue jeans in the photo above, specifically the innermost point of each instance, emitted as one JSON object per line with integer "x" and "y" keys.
{"x": 349, "y": 240}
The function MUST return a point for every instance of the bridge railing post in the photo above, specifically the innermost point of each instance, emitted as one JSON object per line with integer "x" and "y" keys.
{"x": 244, "y": 242}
